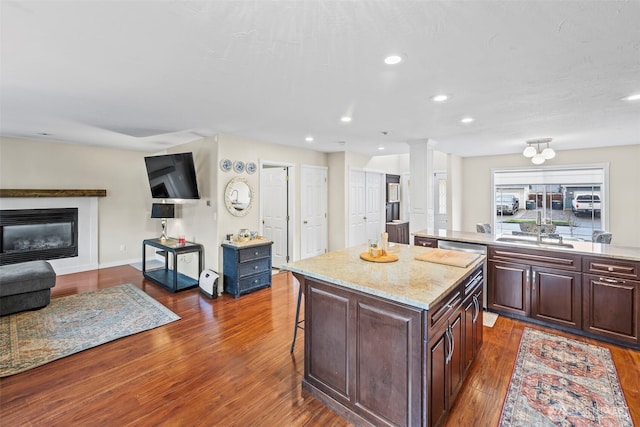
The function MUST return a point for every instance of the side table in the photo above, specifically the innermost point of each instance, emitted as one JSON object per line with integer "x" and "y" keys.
{"x": 170, "y": 278}
{"x": 247, "y": 266}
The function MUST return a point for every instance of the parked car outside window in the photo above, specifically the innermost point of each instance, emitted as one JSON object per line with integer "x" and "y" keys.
{"x": 507, "y": 204}
{"x": 586, "y": 204}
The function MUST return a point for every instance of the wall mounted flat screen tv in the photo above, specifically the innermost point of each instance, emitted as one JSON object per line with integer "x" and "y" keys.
{"x": 172, "y": 176}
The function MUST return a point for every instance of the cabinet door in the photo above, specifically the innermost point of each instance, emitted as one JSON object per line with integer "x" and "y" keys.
{"x": 556, "y": 296}
{"x": 508, "y": 287}
{"x": 611, "y": 307}
{"x": 472, "y": 316}
{"x": 438, "y": 352}
{"x": 456, "y": 359}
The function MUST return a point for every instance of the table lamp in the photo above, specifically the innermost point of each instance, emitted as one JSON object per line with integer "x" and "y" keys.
{"x": 163, "y": 211}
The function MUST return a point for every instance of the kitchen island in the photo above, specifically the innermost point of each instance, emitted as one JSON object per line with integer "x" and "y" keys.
{"x": 389, "y": 343}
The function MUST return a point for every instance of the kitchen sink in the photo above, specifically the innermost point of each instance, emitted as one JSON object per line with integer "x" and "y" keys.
{"x": 531, "y": 242}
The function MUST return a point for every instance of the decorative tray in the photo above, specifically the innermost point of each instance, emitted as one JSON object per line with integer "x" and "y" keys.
{"x": 388, "y": 257}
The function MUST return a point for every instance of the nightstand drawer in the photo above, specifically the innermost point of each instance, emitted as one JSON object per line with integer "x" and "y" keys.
{"x": 249, "y": 254}
{"x": 253, "y": 267}
{"x": 255, "y": 282}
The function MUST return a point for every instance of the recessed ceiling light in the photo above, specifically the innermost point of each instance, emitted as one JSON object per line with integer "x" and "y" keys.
{"x": 345, "y": 119}
{"x": 440, "y": 98}
{"x": 634, "y": 97}
{"x": 393, "y": 59}
{"x": 309, "y": 139}
{"x": 467, "y": 119}
{"x": 380, "y": 148}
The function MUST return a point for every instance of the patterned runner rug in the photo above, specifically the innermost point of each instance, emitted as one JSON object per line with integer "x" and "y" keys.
{"x": 559, "y": 381}
{"x": 71, "y": 324}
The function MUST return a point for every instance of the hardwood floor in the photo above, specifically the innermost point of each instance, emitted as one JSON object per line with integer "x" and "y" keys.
{"x": 227, "y": 363}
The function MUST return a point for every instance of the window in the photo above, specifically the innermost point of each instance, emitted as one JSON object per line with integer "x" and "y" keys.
{"x": 570, "y": 201}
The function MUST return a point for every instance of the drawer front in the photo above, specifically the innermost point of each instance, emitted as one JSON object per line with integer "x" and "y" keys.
{"x": 253, "y": 282}
{"x": 425, "y": 241}
{"x": 440, "y": 312}
{"x": 253, "y": 267}
{"x": 565, "y": 261}
{"x": 612, "y": 267}
{"x": 255, "y": 252}
{"x": 474, "y": 282}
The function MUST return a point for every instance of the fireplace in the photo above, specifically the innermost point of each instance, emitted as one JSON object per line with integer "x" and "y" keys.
{"x": 38, "y": 234}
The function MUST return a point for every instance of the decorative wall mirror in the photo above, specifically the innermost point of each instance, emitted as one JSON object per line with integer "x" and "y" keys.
{"x": 238, "y": 196}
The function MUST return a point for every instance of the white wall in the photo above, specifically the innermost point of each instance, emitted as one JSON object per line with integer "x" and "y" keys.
{"x": 237, "y": 148}
{"x": 624, "y": 186}
{"x": 124, "y": 214}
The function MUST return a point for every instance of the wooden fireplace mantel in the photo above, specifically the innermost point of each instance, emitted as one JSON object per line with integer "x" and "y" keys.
{"x": 52, "y": 193}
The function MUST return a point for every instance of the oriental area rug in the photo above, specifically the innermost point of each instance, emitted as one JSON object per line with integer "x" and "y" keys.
{"x": 562, "y": 382}
{"x": 74, "y": 323}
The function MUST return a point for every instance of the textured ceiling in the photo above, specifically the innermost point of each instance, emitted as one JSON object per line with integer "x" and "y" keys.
{"x": 146, "y": 75}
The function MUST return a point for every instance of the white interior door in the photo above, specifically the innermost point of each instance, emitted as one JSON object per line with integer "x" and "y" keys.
{"x": 366, "y": 206}
{"x": 375, "y": 208}
{"x": 313, "y": 201}
{"x": 357, "y": 208}
{"x": 275, "y": 218}
{"x": 440, "y": 202}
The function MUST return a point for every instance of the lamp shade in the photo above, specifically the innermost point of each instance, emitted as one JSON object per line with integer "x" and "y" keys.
{"x": 162, "y": 210}
{"x": 529, "y": 151}
{"x": 548, "y": 153}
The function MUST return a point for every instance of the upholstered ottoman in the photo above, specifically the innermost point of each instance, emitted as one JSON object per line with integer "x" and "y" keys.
{"x": 25, "y": 286}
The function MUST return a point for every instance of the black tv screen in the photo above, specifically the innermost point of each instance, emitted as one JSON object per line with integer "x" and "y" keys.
{"x": 172, "y": 176}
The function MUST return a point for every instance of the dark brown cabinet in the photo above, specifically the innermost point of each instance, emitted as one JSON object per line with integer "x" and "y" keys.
{"x": 445, "y": 367}
{"x": 398, "y": 232}
{"x": 597, "y": 296}
{"x": 385, "y": 362}
{"x": 546, "y": 286}
{"x": 611, "y": 304}
{"x": 472, "y": 310}
{"x": 454, "y": 337}
{"x": 556, "y": 296}
{"x": 361, "y": 352}
{"x": 509, "y": 290}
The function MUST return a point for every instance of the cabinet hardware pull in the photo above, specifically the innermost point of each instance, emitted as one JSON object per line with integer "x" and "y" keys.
{"x": 447, "y": 358}
{"x": 453, "y": 343}
{"x": 610, "y": 268}
{"x": 475, "y": 303}
{"x": 257, "y": 253}
{"x": 255, "y": 267}
{"x": 305, "y": 222}
{"x": 604, "y": 279}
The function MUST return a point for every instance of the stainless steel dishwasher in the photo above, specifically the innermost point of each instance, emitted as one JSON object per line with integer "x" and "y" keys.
{"x": 476, "y": 249}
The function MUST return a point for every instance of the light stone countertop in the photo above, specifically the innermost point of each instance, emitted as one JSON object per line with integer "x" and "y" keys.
{"x": 248, "y": 243}
{"x": 416, "y": 283}
{"x": 579, "y": 246}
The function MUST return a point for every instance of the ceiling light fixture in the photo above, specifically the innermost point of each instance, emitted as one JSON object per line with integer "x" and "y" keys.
{"x": 345, "y": 119}
{"x": 635, "y": 97}
{"x": 393, "y": 59}
{"x": 380, "y": 147}
{"x": 467, "y": 119}
{"x": 440, "y": 98}
{"x": 309, "y": 139}
{"x": 538, "y": 157}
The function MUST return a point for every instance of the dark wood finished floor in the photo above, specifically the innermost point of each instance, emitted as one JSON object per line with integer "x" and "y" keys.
{"x": 227, "y": 363}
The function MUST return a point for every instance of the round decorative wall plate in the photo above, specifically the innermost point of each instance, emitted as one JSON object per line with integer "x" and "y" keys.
{"x": 238, "y": 166}
{"x": 251, "y": 167}
{"x": 225, "y": 165}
